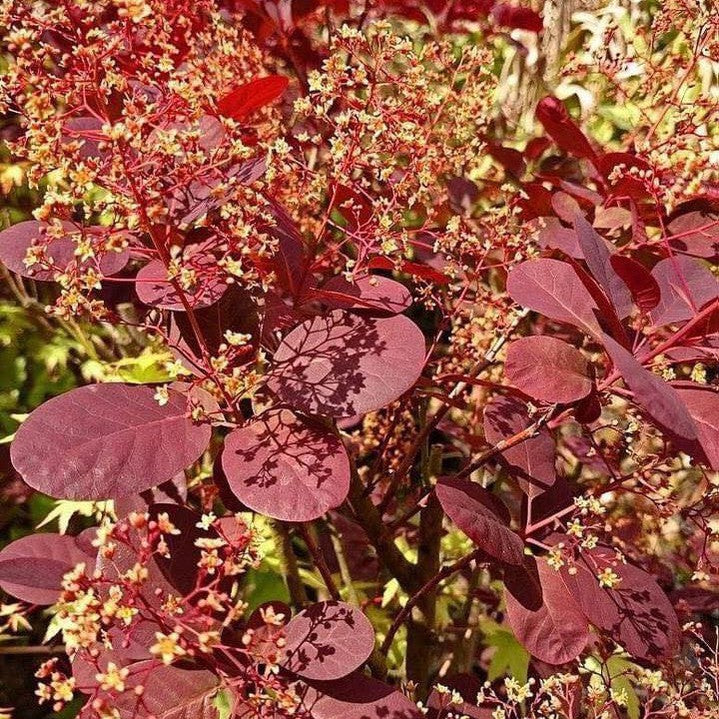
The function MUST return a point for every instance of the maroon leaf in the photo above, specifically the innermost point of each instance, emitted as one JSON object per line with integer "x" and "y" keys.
{"x": 597, "y": 256}
{"x": 685, "y": 285}
{"x": 514, "y": 16}
{"x": 17, "y": 239}
{"x": 641, "y": 283}
{"x": 482, "y": 517}
{"x": 552, "y": 288}
{"x": 553, "y": 234}
{"x": 616, "y": 166}
{"x": 522, "y": 582}
{"x": 328, "y": 641}
{"x": 635, "y": 611}
{"x": 242, "y": 101}
{"x": 174, "y": 491}
{"x": 548, "y": 369}
{"x": 555, "y": 119}
{"x": 557, "y": 632}
{"x": 106, "y": 441}
{"x": 358, "y": 696}
{"x": 343, "y": 364}
{"x": 31, "y": 568}
{"x": 696, "y": 231}
{"x": 657, "y": 398}
{"x": 703, "y": 406}
{"x": 154, "y": 289}
{"x": 169, "y": 693}
{"x": 180, "y": 566}
{"x": 286, "y": 467}
{"x": 235, "y": 311}
{"x": 531, "y": 461}
{"x": 374, "y": 294}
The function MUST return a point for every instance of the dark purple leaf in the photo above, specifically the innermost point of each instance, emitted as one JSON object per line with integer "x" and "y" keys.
{"x": 641, "y": 283}
{"x": 235, "y": 311}
{"x": 597, "y": 256}
{"x": 106, "y": 441}
{"x": 328, "y": 641}
{"x": 685, "y": 285}
{"x": 522, "y": 582}
{"x": 482, "y": 517}
{"x": 531, "y": 461}
{"x": 548, "y": 369}
{"x": 16, "y": 240}
{"x": 553, "y": 289}
{"x": 174, "y": 491}
{"x": 343, "y": 364}
{"x": 557, "y": 632}
{"x": 154, "y": 289}
{"x": 169, "y": 693}
{"x": 635, "y": 611}
{"x": 286, "y": 467}
{"x": 31, "y": 568}
{"x": 694, "y": 228}
{"x": 703, "y": 406}
{"x": 358, "y": 697}
{"x": 375, "y": 294}
{"x": 657, "y": 398}
{"x": 553, "y": 234}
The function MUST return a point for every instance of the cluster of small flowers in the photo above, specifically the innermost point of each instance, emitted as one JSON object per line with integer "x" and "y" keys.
{"x": 383, "y": 126}
{"x": 664, "y": 74}
{"x": 127, "y": 594}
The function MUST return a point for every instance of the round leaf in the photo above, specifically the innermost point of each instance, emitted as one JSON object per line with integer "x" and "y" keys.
{"x": 285, "y": 467}
{"x": 327, "y": 641}
{"x": 555, "y": 633}
{"x": 344, "y": 364}
{"x": 548, "y": 369}
{"x": 31, "y": 568}
{"x": 106, "y": 441}
{"x": 481, "y": 517}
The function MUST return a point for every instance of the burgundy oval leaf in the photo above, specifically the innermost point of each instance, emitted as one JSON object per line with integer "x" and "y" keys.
{"x": 31, "y": 568}
{"x": 17, "y": 239}
{"x": 635, "y": 611}
{"x": 685, "y": 285}
{"x": 553, "y": 234}
{"x": 548, "y": 369}
{"x": 557, "y": 123}
{"x": 106, "y": 441}
{"x": 245, "y": 99}
{"x": 344, "y": 364}
{"x": 286, "y": 467}
{"x": 657, "y": 398}
{"x": 169, "y": 693}
{"x": 482, "y": 517}
{"x": 530, "y": 461}
{"x": 375, "y": 294}
{"x": 696, "y": 231}
{"x": 235, "y": 311}
{"x": 642, "y": 285}
{"x": 327, "y": 641}
{"x": 358, "y": 696}
{"x": 597, "y": 256}
{"x": 553, "y": 289}
{"x": 703, "y": 406}
{"x": 154, "y": 289}
{"x": 555, "y": 633}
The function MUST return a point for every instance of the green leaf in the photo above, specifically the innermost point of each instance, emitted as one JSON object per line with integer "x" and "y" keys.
{"x": 510, "y": 658}
{"x": 223, "y": 704}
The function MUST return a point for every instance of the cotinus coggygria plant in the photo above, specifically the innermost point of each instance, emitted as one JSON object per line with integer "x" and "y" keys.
{"x": 392, "y": 398}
